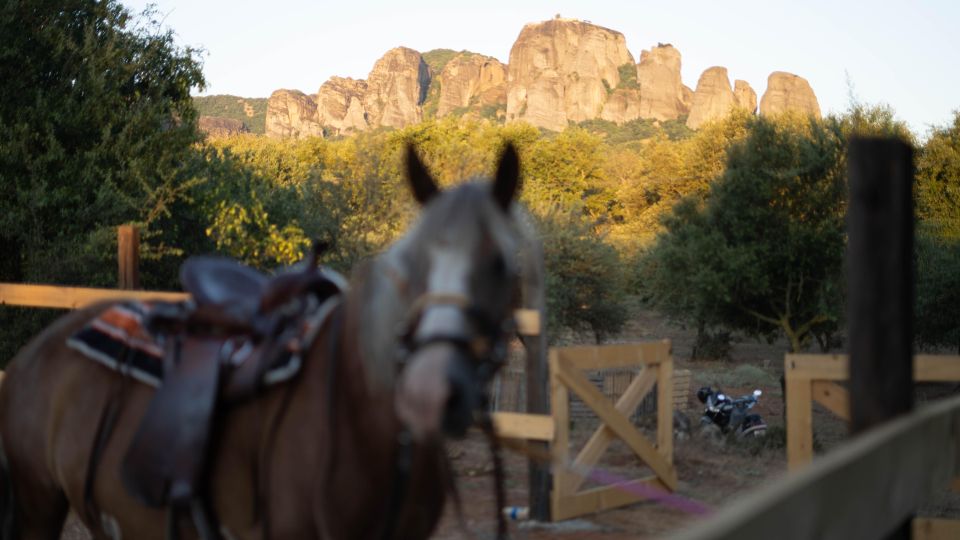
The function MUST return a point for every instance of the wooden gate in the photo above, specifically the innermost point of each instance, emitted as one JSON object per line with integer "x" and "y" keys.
{"x": 566, "y": 375}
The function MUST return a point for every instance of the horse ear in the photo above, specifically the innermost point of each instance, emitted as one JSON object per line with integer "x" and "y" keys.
{"x": 424, "y": 188}
{"x": 507, "y": 181}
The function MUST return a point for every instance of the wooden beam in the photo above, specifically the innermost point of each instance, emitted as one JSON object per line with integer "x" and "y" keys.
{"x": 835, "y": 367}
{"x": 603, "y": 436}
{"x": 936, "y": 368}
{"x": 560, "y": 449}
{"x": 534, "y": 427}
{"x": 128, "y": 257}
{"x": 665, "y": 407}
{"x": 863, "y": 489}
{"x": 618, "y": 423}
{"x": 527, "y": 321}
{"x": 614, "y": 356}
{"x": 799, "y": 422}
{"x": 603, "y": 498}
{"x": 817, "y": 367}
{"x": 52, "y": 296}
{"x": 832, "y": 396}
{"x": 935, "y": 529}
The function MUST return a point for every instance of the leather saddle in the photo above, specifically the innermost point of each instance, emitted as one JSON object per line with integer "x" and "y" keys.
{"x": 218, "y": 348}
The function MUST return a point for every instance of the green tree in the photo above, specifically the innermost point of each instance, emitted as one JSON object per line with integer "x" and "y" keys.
{"x": 97, "y": 129}
{"x": 763, "y": 254}
{"x": 586, "y": 281}
{"x": 938, "y": 238}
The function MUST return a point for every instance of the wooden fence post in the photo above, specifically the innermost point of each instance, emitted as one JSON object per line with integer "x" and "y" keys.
{"x": 128, "y": 257}
{"x": 880, "y": 284}
{"x": 537, "y": 381}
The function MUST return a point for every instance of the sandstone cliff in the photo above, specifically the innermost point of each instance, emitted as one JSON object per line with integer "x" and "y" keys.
{"x": 396, "y": 87}
{"x": 291, "y": 113}
{"x": 623, "y": 105}
{"x": 563, "y": 70}
{"x": 215, "y": 126}
{"x": 712, "y": 99}
{"x": 744, "y": 95}
{"x": 661, "y": 90}
{"x": 340, "y": 105}
{"x": 471, "y": 81}
{"x": 788, "y": 92}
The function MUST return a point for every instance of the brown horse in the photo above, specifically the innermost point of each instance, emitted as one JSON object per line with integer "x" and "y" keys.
{"x": 349, "y": 448}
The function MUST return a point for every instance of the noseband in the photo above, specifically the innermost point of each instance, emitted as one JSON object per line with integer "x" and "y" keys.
{"x": 486, "y": 349}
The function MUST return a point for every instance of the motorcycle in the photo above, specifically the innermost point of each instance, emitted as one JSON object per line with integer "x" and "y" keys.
{"x": 729, "y": 414}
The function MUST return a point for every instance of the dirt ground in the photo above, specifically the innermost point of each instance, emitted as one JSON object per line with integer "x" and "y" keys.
{"x": 709, "y": 473}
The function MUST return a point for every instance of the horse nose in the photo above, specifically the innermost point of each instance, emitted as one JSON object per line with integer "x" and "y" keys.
{"x": 463, "y": 399}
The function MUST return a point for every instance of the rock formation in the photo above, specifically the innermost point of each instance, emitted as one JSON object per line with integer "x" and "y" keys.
{"x": 340, "y": 105}
{"x": 744, "y": 95}
{"x": 215, "y": 126}
{"x": 788, "y": 92}
{"x": 471, "y": 80}
{"x": 562, "y": 70}
{"x": 396, "y": 87}
{"x": 291, "y": 113}
{"x": 623, "y": 105}
{"x": 713, "y": 97}
{"x": 661, "y": 91}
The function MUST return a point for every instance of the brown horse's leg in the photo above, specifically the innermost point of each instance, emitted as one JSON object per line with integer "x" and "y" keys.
{"x": 40, "y": 509}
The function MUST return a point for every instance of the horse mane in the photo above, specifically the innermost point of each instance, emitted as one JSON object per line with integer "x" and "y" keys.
{"x": 384, "y": 289}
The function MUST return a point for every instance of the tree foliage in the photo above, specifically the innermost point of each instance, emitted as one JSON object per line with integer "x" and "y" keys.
{"x": 97, "y": 129}
{"x": 764, "y": 252}
{"x": 938, "y": 238}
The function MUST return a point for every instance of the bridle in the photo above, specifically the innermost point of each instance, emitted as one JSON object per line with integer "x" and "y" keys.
{"x": 486, "y": 353}
{"x": 486, "y": 349}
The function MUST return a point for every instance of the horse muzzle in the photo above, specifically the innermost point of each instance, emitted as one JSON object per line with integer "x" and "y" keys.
{"x": 438, "y": 392}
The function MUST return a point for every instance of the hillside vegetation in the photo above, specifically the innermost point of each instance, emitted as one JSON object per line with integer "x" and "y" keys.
{"x": 734, "y": 228}
{"x": 250, "y": 111}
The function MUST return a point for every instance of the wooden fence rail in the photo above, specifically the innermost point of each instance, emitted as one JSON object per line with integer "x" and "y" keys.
{"x": 814, "y": 377}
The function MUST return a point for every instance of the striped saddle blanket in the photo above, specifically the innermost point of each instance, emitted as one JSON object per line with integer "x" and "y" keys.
{"x": 120, "y": 340}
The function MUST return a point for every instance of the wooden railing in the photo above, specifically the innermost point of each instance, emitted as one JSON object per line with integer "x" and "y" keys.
{"x": 864, "y": 489}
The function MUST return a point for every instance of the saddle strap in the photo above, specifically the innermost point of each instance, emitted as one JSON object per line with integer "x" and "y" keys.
{"x": 164, "y": 462}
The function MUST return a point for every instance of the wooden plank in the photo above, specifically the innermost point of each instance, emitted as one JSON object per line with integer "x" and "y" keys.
{"x": 936, "y": 368}
{"x": 527, "y": 321}
{"x": 603, "y": 436}
{"x": 817, "y": 367}
{"x": 603, "y": 498}
{"x": 613, "y": 356}
{"x": 51, "y": 296}
{"x": 835, "y": 367}
{"x": 799, "y": 422}
{"x": 665, "y": 408}
{"x": 536, "y": 427}
{"x": 832, "y": 396}
{"x": 888, "y": 471}
{"x": 618, "y": 423}
{"x": 935, "y": 529}
{"x": 128, "y": 257}
{"x": 560, "y": 449}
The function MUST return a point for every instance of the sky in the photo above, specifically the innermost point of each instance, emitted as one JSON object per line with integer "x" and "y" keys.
{"x": 905, "y": 54}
